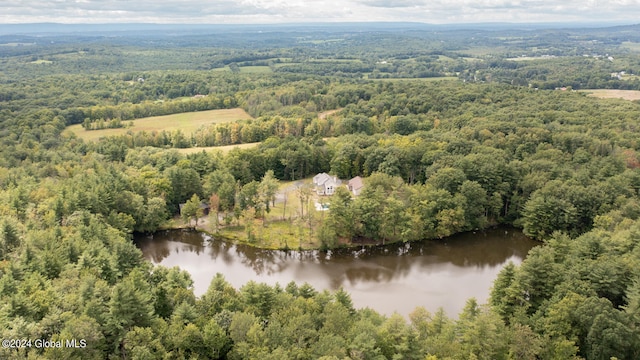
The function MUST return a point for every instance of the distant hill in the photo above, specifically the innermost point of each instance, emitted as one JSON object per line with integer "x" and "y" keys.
{"x": 141, "y": 28}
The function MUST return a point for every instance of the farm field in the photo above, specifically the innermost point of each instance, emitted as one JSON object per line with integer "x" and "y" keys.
{"x": 225, "y": 149}
{"x": 187, "y": 122}
{"x": 530, "y": 58}
{"x": 633, "y": 46}
{"x": 614, "y": 94}
{"x": 439, "y": 78}
{"x": 248, "y": 69}
{"x": 42, "y": 62}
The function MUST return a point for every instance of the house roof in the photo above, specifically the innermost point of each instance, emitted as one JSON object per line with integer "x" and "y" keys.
{"x": 321, "y": 178}
{"x": 355, "y": 183}
{"x": 333, "y": 181}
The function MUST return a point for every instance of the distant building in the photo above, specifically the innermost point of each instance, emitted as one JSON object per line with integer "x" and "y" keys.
{"x": 355, "y": 185}
{"x": 326, "y": 184}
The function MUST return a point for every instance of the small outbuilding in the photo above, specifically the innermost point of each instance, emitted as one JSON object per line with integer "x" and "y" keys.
{"x": 355, "y": 185}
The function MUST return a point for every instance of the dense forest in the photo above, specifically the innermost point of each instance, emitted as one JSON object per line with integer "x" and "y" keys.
{"x": 451, "y": 133}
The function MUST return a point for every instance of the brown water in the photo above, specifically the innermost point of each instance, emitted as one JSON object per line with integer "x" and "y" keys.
{"x": 396, "y": 278}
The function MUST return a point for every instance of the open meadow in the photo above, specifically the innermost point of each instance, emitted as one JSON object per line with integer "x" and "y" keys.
{"x": 614, "y": 94}
{"x": 290, "y": 223}
{"x": 225, "y": 149}
{"x": 428, "y": 79}
{"x": 247, "y": 69}
{"x": 186, "y": 122}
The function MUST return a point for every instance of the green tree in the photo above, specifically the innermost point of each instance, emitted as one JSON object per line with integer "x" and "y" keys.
{"x": 448, "y": 178}
{"x": 476, "y": 205}
{"x": 216, "y": 341}
{"x": 538, "y": 276}
{"x": 155, "y": 213}
{"x": 9, "y": 238}
{"x": 546, "y": 212}
{"x": 524, "y": 343}
{"x": 341, "y": 216}
{"x": 368, "y": 215}
{"x": 395, "y": 219}
{"x": 481, "y": 332}
{"x": 130, "y": 305}
{"x": 223, "y": 184}
{"x": 267, "y": 190}
{"x": 144, "y": 343}
{"x": 504, "y": 294}
{"x": 192, "y": 209}
{"x": 184, "y": 182}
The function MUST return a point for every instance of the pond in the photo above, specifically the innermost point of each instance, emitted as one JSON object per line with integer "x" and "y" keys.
{"x": 393, "y": 278}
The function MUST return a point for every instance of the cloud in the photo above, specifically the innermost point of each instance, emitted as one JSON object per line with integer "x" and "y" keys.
{"x": 125, "y": 10}
{"x": 392, "y": 3}
{"x": 270, "y": 11}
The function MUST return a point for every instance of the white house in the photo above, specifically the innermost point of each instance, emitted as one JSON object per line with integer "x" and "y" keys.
{"x": 326, "y": 184}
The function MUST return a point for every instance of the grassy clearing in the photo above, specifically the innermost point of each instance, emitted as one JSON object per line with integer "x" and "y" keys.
{"x": 186, "y": 122}
{"x": 614, "y": 94}
{"x": 248, "y": 69}
{"x": 445, "y": 58}
{"x": 225, "y": 149}
{"x": 531, "y": 58}
{"x": 282, "y": 228}
{"x": 481, "y": 51}
{"x": 319, "y": 42}
{"x": 283, "y": 64}
{"x": 42, "y": 62}
{"x": 441, "y": 78}
{"x": 15, "y": 44}
{"x": 329, "y": 60}
{"x": 255, "y": 70}
{"x": 633, "y": 46}
{"x": 275, "y": 235}
{"x": 323, "y": 115}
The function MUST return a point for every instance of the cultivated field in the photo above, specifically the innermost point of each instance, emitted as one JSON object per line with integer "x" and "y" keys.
{"x": 248, "y": 69}
{"x": 633, "y": 46}
{"x": 225, "y": 149}
{"x": 530, "y": 58}
{"x": 614, "y": 94}
{"x": 186, "y": 122}
{"x": 440, "y": 78}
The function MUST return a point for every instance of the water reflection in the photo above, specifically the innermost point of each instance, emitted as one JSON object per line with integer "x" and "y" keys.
{"x": 393, "y": 278}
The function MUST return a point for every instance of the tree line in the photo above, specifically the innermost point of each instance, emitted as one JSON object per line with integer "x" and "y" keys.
{"x": 439, "y": 158}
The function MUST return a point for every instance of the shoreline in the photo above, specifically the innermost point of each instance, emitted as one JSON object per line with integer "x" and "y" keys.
{"x": 342, "y": 245}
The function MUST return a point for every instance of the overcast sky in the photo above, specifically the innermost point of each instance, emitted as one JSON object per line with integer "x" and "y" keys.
{"x": 287, "y": 11}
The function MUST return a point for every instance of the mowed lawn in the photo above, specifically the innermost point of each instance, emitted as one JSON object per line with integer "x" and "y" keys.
{"x": 614, "y": 94}
{"x": 283, "y": 227}
{"x": 186, "y": 122}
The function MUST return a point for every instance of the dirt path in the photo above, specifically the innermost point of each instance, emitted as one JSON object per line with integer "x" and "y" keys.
{"x": 323, "y": 115}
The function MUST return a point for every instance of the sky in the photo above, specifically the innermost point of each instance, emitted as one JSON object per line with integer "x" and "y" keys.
{"x": 303, "y": 11}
